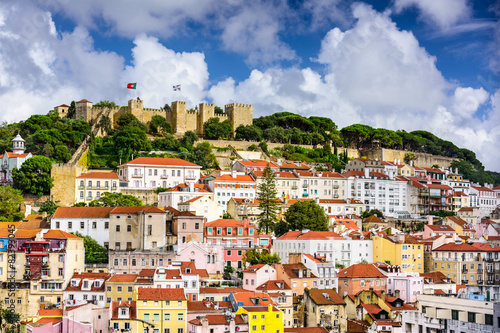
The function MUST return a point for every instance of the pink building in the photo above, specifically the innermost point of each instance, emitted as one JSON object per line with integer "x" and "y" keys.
{"x": 431, "y": 230}
{"x": 407, "y": 285}
{"x": 209, "y": 256}
{"x": 256, "y": 275}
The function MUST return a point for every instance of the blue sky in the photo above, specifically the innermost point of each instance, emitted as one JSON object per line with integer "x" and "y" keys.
{"x": 400, "y": 64}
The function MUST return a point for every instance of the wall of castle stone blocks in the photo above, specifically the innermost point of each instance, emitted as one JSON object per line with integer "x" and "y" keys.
{"x": 64, "y": 175}
{"x": 148, "y": 197}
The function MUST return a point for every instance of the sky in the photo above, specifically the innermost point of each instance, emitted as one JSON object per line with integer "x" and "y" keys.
{"x": 429, "y": 65}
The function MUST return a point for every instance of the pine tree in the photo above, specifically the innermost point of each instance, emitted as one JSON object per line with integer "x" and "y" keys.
{"x": 268, "y": 201}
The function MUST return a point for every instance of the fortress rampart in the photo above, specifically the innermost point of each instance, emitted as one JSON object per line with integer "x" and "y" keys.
{"x": 181, "y": 118}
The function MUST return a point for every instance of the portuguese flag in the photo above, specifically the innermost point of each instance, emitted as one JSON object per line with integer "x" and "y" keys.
{"x": 132, "y": 85}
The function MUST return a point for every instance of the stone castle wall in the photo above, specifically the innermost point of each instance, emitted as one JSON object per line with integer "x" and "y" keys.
{"x": 179, "y": 116}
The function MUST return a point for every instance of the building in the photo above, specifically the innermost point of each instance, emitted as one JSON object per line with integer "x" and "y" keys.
{"x": 359, "y": 277}
{"x": 281, "y": 295}
{"x": 234, "y": 185}
{"x": 123, "y": 316}
{"x": 88, "y": 221}
{"x": 401, "y": 250}
{"x": 14, "y": 159}
{"x": 297, "y": 276}
{"x": 161, "y": 309}
{"x": 486, "y": 198}
{"x": 134, "y": 261}
{"x": 91, "y": 185}
{"x": 324, "y": 270}
{"x": 241, "y": 209}
{"x": 86, "y": 288}
{"x": 181, "y": 118}
{"x": 202, "y": 206}
{"x": 407, "y": 285}
{"x": 327, "y": 244}
{"x": 149, "y": 173}
{"x": 325, "y": 308}
{"x": 471, "y": 215}
{"x": 182, "y": 193}
{"x": 119, "y": 288}
{"x": 253, "y": 165}
{"x": 261, "y": 312}
{"x": 179, "y": 275}
{"x": 255, "y": 275}
{"x": 439, "y": 313}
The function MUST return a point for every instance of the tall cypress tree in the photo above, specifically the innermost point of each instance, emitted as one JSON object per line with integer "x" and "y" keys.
{"x": 268, "y": 201}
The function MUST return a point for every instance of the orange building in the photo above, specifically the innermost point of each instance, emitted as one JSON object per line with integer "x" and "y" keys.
{"x": 361, "y": 277}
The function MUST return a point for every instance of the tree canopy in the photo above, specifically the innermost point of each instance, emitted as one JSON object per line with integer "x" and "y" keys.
{"x": 267, "y": 196}
{"x": 49, "y": 207}
{"x": 306, "y": 215}
{"x": 260, "y": 256}
{"x": 10, "y": 204}
{"x": 94, "y": 252}
{"x": 34, "y": 176}
{"x": 215, "y": 129}
{"x": 115, "y": 199}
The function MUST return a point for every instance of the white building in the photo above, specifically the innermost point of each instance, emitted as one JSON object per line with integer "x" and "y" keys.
{"x": 86, "y": 288}
{"x": 89, "y": 221}
{"x": 91, "y": 185}
{"x": 14, "y": 159}
{"x": 321, "y": 184}
{"x": 182, "y": 193}
{"x": 378, "y": 191}
{"x": 202, "y": 206}
{"x": 486, "y": 198}
{"x": 154, "y": 172}
{"x": 179, "y": 275}
{"x": 232, "y": 185}
{"x": 326, "y": 244}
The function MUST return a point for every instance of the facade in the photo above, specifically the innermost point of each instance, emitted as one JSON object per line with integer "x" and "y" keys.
{"x": 407, "y": 285}
{"x": 486, "y": 198}
{"x": 253, "y": 165}
{"x": 233, "y": 185}
{"x": 119, "y": 288}
{"x": 324, "y": 270}
{"x": 361, "y": 277}
{"x": 256, "y": 275}
{"x": 202, "y": 206}
{"x": 14, "y": 159}
{"x": 123, "y": 316}
{"x": 241, "y": 209}
{"x": 325, "y": 308}
{"x": 327, "y": 244}
{"x": 402, "y": 251}
{"x": 281, "y": 295}
{"x": 148, "y": 173}
{"x": 132, "y": 262}
{"x": 182, "y": 193}
{"x": 86, "y": 288}
{"x": 91, "y": 185}
{"x": 88, "y": 221}
{"x": 297, "y": 276}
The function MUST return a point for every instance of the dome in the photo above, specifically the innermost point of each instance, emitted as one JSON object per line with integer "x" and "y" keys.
{"x": 18, "y": 138}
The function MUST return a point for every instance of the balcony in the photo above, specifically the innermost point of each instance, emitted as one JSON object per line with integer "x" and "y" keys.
{"x": 490, "y": 282}
{"x": 5, "y": 166}
{"x": 136, "y": 175}
{"x": 480, "y": 270}
{"x": 305, "y": 185}
{"x": 465, "y": 281}
{"x": 336, "y": 186}
{"x": 305, "y": 195}
{"x": 190, "y": 177}
{"x": 81, "y": 187}
{"x": 294, "y": 187}
{"x": 336, "y": 196}
{"x": 479, "y": 281}
{"x": 464, "y": 270}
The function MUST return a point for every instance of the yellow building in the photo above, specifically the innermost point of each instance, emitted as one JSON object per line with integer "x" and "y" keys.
{"x": 123, "y": 316}
{"x": 120, "y": 287}
{"x": 162, "y": 309}
{"x": 401, "y": 250}
{"x": 263, "y": 318}
{"x": 460, "y": 200}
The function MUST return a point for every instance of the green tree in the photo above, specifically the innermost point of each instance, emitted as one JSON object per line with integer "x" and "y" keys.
{"x": 228, "y": 270}
{"x": 189, "y": 139}
{"x": 116, "y": 199}
{"x": 49, "y": 207}
{"x": 372, "y": 212}
{"x": 214, "y": 129}
{"x": 420, "y": 226}
{"x": 80, "y": 204}
{"x": 218, "y": 110}
{"x": 260, "y": 256}
{"x": 268, "y": 201}
{"x": 249, "y": 132}
{"x": 306, "y": 215}
{"x": 34, "y": 176}
{"x": 410, "y": 156}
{"x": 72, "y": 110}
{"x": 9, "y": 321}
{"x": 94, "y": 252}
{"x": 159, "y": 124}
{"x": 167, "y": 107}
{"x": 126, "y": 119}
{"x": 105, "y": 123}
{"x": 10, "y": 204}
{"x": 281, "y": 228}
{"x": 106, "y": 104}
{"x": 129, "y": 140}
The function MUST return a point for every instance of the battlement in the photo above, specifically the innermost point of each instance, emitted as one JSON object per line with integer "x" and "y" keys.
{"x": 245, "y": 106}
{"x": 207, "y": 105}
{"x": 221, "y": 115}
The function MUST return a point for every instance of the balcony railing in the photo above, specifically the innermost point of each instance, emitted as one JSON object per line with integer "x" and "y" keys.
{"x": 464, "y": 270}
{"x": 491, "y": 282}
{"x": 164, "y": 176}
{"x": 305, "y": 185}
{"x": 294, "y": 187}
{"x": 465, "y": 281}
{"x": 479, "y": 270}
{"x": 136, "y": 175}
{"x": 336, "y": 186}
{"x": 191, "y": 177}
{"x": 479, "y": 281}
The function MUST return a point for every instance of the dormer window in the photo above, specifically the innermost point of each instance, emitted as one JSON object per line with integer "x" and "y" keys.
{"x": 86, "y": 284}
{"x": 74, "y": 283}
{"x": 188, "y": 270}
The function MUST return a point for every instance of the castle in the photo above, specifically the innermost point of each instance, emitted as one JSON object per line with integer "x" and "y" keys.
{"x": 179, "y": 116}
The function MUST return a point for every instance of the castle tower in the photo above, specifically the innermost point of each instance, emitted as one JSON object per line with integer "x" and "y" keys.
{"x": 179, "y": 111}
{"x": 206, "y": 111}
{"x": 135, "y": 106}
{"x": 83, "y": 109}
{"x": 62, "y": 110}
{"x": 240, "y": 114}
{"x": 18, "y": 145}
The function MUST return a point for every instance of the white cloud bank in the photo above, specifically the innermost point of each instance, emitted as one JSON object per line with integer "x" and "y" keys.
{"x": 374, "y": 74}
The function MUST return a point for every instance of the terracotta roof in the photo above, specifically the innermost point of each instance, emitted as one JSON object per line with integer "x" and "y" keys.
{"x": 248, "y": 298}
{"x": 292, "y": 235}
{"x": 462, "y": 247}
{"x": 223, "y": 290}
{"x": 457, "y": 220}
{"x": 45, "y": 321}
{"x": 82, "y": 212}
{"x": 467, "y": 209}
{"x": 21, "y": 233}
{"x": 175, "y": 162}
{"x": 482, "y": 188}
{"x": 116, "y": 305}
{"x": 59, "y": 234}
{"x": 439, "y": 292}
{"x": 123, "y": 278}
{"x": 212, "y": 320}
{"x": 441, "y": 228}
{"x": 84, "y": 101}
{"x": 161, "y": 294}
{"x": 260, "y": 309}
{"x": 274, "y": 285}
{"x": 87, "y": 276}
{"x": 238, "y": 178}
{"x": 325, "y": 297}
{"x": 254, "y": 268}
{"x": 258, "y": 163}
{"x": 372, "y": 308}
{"x": 435, "y": 277}
{"x": 313, "y": 259}
{"x": 292, "y": 270}
{"x": 51, "y": 312}
{"x": 204, "y": 305}
{"x": 225, "y": 223}
{"x": 306, "y": 330}
{"x": 200, "y": 188}
{"x": 373, "y": 219}
{"x": 99, "y": 175}
{"x": 136, "y": 210}
{"x": 487, "y": 247}
{"x": 441, "y": 186}
{"x": 360, "y": 271}
{"x": 193, "y": 200}
{"x": 149, "y": 272}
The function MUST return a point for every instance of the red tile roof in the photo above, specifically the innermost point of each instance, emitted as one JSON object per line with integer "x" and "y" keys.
{"x": 223, "y": 290}
{"x": 258, "y": 163}
{"x": 51, "y": 312}
{"x": 441, "y": 228}
{"x": 88, "y": 276}
{"x": 360, "y": 271}
{"x": 292, "y": 235}
{"x": 306, "y": 330}
{"x": 175, "y": 162}
{"x": 274, "y": 285}
{"x": 325, "y": 297}
{"x": 116, "y": 305}
{"x": 238, "y": 178}
{"x": 212, "y": 320}
{"x": 161, "y": 294}
{"x": 226, "y": 223}
{"x": 254, "y": 268}
{"x": 82, "y": 212}
{"x": 99, "y": 175}
{"x": 123, "y": 278}
{"x": 253, "y": 298}
{"x": 59, "y": 234}
{"x": 457, "y": 220}
{"x": 441, "y": 186}
{"x": 487, "y": 247}
{"x": 462, "y": 247}
{"x": 136, "y": 210}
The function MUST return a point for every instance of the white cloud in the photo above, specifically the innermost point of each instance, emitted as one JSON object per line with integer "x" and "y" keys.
{"x": 467, "y": 101}
{"x": 443, "y": 13}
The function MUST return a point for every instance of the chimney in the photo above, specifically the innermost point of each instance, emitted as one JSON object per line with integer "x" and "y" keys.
{"x": 191, "y": 187}
{"x": 396, "y": 292}
{"x": 233, "y": 173}
{"x": 395, "y": 161}
{"x": 367, "y": 173}
{"x": 411, "y": 163}
{"x": 44, "y": 215}
{"x": 382, "y": 294}
{"x": 430, "y": 220}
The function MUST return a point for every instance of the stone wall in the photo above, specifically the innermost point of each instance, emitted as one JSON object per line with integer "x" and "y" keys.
{"x": 148, "y": 197}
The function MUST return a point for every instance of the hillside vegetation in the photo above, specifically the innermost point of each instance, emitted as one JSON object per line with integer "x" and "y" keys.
{"x": 57, "y": 138}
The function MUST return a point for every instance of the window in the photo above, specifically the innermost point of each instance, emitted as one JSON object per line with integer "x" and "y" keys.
{"x": 180, "y": 316}
{"x": 129, "y": 228}
{"x": 108, "y": 299}
{"x": 70, "y": 225}
{"x": 119, "y": 289}
{"x": 180, "y": 330}
{"x": 146, "y": 316}
{"x": 116, "y": 326}
{"x": 134, "y": 262}
{"x": 488, "y": 319}
{"x": 167, "y": 316}
{"x": 156, "y": 317}
{"x": 118, "y": 228}
{"x": 454, "y": 314}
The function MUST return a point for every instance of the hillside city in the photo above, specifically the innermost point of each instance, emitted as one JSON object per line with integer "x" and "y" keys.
{"x": 178, "y": 220}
